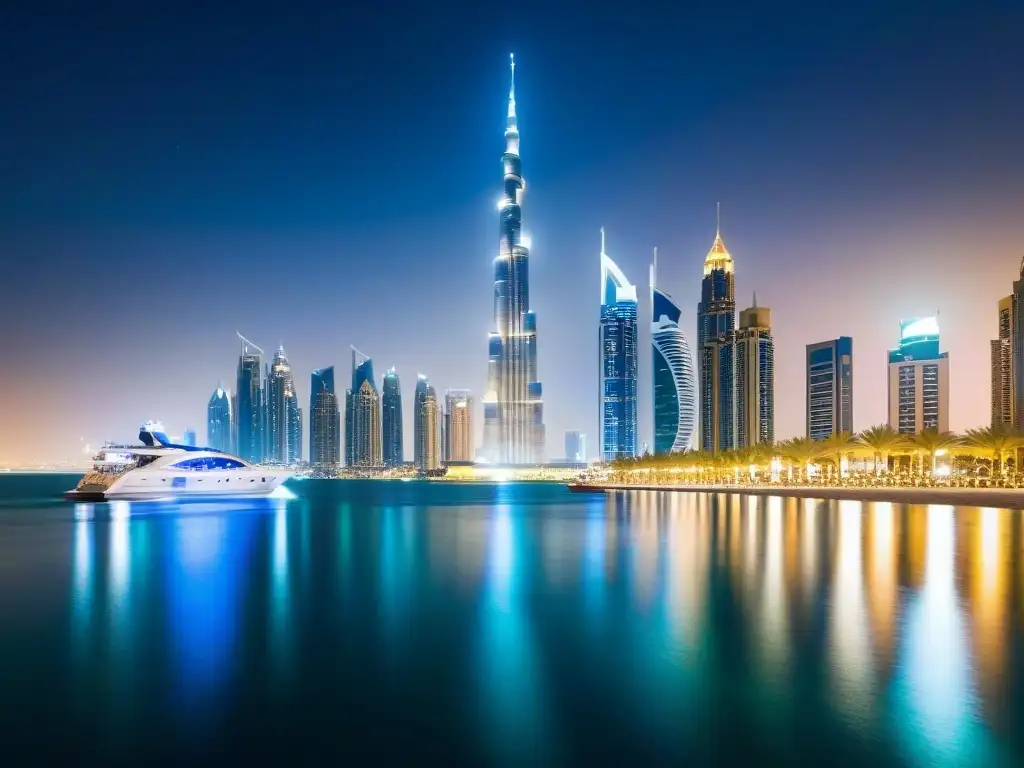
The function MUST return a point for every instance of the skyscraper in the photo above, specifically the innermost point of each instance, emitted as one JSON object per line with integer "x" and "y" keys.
{"x": 918, "y": 379}
{"x": 513, "y": 405}
{"x": 458, "y": 444}
{"x": 1017, "y": 352}
{"x": 1004, "y": 369}
{"x": 618, "y": 372}
{"x": 362, "y": 415}
{"x": 284, "y": 430}
{"x": 716, "y": 321}
{"x": 829, "y": 388}
{"x": 324, "y": 420}
{"x": 427, "y": 427}
{"x": 391, "y": 419}
{"x": 755, "y": 377}
{"x": 188, "y": 437}
{"x": 675, "y": 396}
{"x": 249, "y": 416}
{"x": 575, "y": 446}
{"x": 219, "y": 429}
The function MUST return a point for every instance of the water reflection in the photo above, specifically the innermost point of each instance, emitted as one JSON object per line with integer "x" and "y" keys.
{"x": 659, "y": 617}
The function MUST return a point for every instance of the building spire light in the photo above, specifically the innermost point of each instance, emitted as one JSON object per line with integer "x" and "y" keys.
{"x": 512, "y": 88}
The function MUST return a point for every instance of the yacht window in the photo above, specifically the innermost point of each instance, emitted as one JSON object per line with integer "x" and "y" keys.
{"x": 205, "y": 463}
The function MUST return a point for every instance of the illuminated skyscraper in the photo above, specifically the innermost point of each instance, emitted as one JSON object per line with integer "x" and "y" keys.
{"x": 426, "y": 426}
{"x": 284, "y": 430}
{"x": 362, "y": 415}
{"x": 249, "y": 418}
{"x": 830, "y": 388}
{"x": 391, "y": 419}
{"x": 324, "y": 420}
{"x": 754, "y": 358}
{"x": 219, "y": 429}
{"x": 675, "y": 396}
{"x": 618, "y": 371}
{"x": 716, "y": 321}
{"x": 1008, "y": 360}
{"x": 513, "y": 405}
{"x": 457, "y": 430}
{"x": 919, "y": 379}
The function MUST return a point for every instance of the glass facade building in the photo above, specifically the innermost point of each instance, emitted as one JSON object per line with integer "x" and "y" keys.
{"x": 426, "y": 427}
{"x": 829, "y": 388}
{"x": 618, "y": 364}
{"x": 754, "y": 353}
{"x": 675, "y": 396}
{"x": 249, "y": 415}
{"x": 219, "y": 428}
{"x": 283, "y": 419}
{"x": 513, "y": 402}
{"x": 391, "y": 419}
{"x": 457, "y": 429}
{"x": 362, "y": 416}
{"x": 324, "y": 420}
{"x": 918, "y": 379}
{"x": 716, "y": 324}
{"x": 575, "y": 446}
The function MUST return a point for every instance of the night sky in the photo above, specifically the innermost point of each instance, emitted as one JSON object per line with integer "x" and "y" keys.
{"x": 325, "y": 174}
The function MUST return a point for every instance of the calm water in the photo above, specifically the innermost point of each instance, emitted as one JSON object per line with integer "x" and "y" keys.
{"x": 510, "y": 624}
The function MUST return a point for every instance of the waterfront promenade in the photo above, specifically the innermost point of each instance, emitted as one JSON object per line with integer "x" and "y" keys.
{"x": 1007, "y": 498}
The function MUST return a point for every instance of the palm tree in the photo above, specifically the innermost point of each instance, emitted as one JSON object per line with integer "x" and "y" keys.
{"x": 882, "y": 440}
{"x": 996, "y": 441}
{"x": 838, "y": 444}
{"x": 802, "y": 451}
{"x": 931, "y": 442}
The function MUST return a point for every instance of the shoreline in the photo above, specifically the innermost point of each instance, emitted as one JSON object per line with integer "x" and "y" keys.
{"x": 1007, "y": 498}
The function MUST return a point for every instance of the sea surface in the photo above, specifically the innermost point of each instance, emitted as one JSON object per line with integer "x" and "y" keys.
{"x": 384, "y": 622}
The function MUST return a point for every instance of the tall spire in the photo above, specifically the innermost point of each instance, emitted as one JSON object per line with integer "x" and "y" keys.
{"x": 602, "y": 241}
{"x": 512, "y": 89}
{"x": 654, "y": 267}
{"x": 754, "y": 305}
{"x": 718, "y": 220}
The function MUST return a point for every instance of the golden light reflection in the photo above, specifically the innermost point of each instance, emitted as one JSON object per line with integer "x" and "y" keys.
{"x": 774, "y": 616}
{"x": 851, "y": 658}
{"x": 689, "y": 555}
{"x": 883, "y": 589}
{"x": 989, "y": 558}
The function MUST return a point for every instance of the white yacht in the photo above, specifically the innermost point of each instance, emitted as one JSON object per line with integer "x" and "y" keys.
{"x": 160, "y": 469}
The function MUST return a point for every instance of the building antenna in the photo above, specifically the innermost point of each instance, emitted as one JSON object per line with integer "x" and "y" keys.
{"x": 602, "y": 241}
{"x": 654, "y": 268}
{"x": 246, "y": 343}
{"x": 718, "y": 219}
{"x": 755, "y": 300}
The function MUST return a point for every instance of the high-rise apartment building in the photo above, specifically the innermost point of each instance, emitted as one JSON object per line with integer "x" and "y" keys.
{"x": 716, "y": 322}
{"x": 675, "y": 396}
{"x": 754, "y": 358}
{"x": 919, "y": 379}
{"x": 391, "y": 419}
{"x": 283, "y": 418}
{"x": 618, "y": 364}
{"x": 427, "y": 427}
{"x": 513, "y": 403}
{"x": 575, "y": 446}
{"x": 249, "y": 415}
{"x": 829, "y": 388}
{"x": 457, "y": 428}
{"x": 219, "y": 427}
{"x": 324, "y": 420}
{"x": 1004, "y": 368}
{"x": 362, "y": 416}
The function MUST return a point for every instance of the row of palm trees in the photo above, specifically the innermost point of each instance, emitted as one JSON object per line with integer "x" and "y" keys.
{"x": 803, "y": 456}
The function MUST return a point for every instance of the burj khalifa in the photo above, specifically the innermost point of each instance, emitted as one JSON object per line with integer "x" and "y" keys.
{"x": 513, "y": 404}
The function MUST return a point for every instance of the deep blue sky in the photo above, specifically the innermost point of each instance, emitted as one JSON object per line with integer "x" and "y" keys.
{"x": 324, "y": 174}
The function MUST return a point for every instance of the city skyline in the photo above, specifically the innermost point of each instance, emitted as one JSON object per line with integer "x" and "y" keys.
{"x": 925, "y": 218}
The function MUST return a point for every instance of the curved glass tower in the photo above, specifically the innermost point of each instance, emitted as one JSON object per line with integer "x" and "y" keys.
{"x": 618, "y": 335}
{"x": 675, "y": 397}
{"x": 513, "y": 405}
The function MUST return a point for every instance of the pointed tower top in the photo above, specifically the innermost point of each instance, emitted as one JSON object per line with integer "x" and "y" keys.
{"x": 718, "y": 219}
{"x": 602, "y": 240}
{"x": 512, "y": 88}
{"x": 718, "y": 257}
